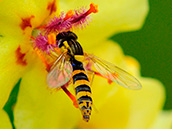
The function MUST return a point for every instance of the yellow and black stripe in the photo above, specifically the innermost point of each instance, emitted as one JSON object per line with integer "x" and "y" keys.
{"x": 82, "y": 89}
{"x": 81, "y": 83}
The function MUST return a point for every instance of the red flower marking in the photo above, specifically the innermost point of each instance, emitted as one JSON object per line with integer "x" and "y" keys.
{"x": 20, "y": 57}
{"x": 52, "y": 7}
{"x": 26, "y": 22}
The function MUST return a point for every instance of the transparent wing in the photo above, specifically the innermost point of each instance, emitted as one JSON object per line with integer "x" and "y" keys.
{"x": 90, "y": 75}
{"x": 60, "y": 73}
{"x": 111, "y": 72}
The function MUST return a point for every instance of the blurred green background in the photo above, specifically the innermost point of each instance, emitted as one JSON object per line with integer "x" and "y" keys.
{"x": 152, "y": 45}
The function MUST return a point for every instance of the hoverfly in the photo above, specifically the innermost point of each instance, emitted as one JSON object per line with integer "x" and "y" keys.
{"x": 70, "y": 66}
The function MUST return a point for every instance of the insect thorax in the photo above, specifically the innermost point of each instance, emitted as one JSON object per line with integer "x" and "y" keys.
{"x": 73, "y": 46}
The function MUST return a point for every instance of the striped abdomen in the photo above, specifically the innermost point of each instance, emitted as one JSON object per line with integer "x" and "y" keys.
{"x": 82, "y": 89}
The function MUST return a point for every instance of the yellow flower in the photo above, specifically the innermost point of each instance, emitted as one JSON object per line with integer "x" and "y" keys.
{"x": 120, "y": 108}
{"x": 4, "y": 120}
{"x": 36, "y": 106}
{"x": 163, "y": 121}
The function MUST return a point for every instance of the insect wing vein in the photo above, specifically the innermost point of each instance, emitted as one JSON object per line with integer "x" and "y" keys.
{"x": 60, "y": 73}
{"x": 112, "y": 72}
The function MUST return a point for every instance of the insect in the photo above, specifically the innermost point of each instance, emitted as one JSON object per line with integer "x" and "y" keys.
{"x": 74, "y": 65}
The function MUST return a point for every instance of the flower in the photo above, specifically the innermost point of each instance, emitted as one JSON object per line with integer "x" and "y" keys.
{"x": 4, "y": 120}
{"x": 36, "y": 106}
{"x": 163, "y": 121}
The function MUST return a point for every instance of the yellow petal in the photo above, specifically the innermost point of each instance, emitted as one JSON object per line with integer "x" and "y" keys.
{"x": 4, "y": 120}
{"x": 21, "y": 16}
{"x": 163, "y": 121}
{"x": 114, "y": 16}
{"x": 107, "y": 50}
{"x": 12, "y": 66}
{"x": 16, "y": 39}
{"x": 127, "y": 109}
{"x": 145, "y": 103}
{"x": 133, "y": 65}
{"x": 110, "y": 52}
{"x": 37, "y": 107}
{"x": 121, "y": 108}
{"x": 113, "y": 115}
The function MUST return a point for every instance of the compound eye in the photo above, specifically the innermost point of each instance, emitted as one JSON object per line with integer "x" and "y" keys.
{"x": 62, "y": 35}
{"x": 72, "y": 35}
{"x": 65, "y": 36}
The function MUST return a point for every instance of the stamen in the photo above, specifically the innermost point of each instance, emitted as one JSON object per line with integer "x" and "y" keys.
{"x": 106, "y": 77}
{"x": 93, "y": 9}
{"x": 45, "y": 43}
{"x": 52, "y": 39}
{"x": 81, "y": 18}
{"x": 77, "y": 18}
{"x": 57, "y": 24}
{"x": 69, "y": 14}
{"x": 116, "y": 75}
{"x": 45, "y": 62}
{"x": 110, "y": 81}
